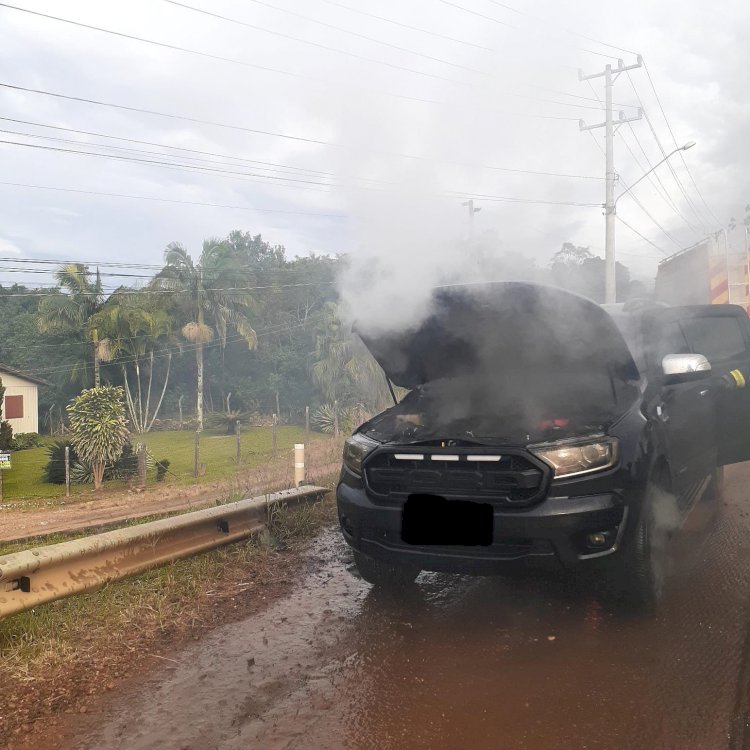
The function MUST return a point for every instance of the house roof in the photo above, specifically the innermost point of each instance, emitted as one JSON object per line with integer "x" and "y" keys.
{"x": 24, "y": 375}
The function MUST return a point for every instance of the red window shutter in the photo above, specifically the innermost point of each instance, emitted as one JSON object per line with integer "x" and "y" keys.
{"x": 13, "y": 407}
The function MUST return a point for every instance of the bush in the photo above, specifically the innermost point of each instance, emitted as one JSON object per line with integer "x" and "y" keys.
{"x": 348, "y": 417}
{"x": 54, "y": 471}
{"x": 6, "y": 436}
{"x": 25, "y": 440}
{"x": 161, "y": 469}
{"x": 98, "y": 428}
{"x": 126, "y": 467}
{"x": 224, "y": 420}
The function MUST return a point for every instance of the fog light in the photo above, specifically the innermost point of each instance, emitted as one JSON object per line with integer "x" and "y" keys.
{"x": 598, "y": 539}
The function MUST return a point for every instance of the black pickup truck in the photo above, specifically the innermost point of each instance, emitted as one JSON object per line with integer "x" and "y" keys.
{"x": 540, "y": 427}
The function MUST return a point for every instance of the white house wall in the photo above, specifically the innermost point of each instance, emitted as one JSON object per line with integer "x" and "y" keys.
{"x": 15, "y": 386}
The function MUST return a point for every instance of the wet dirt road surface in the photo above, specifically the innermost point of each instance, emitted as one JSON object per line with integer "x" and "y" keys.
{"x": 466, "y": 663}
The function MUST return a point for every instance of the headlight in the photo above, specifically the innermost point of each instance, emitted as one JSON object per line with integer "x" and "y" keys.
{"x": 355, "y": 450}
{"x": 571, "y": 458}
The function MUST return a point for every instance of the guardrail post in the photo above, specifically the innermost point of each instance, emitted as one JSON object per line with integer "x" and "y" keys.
{"x": 196, "y": 453}
{"x": 299, "y": 464}
{"x": 239, "y": 443}
{"x": 67, "y": 471}
{"x": 274, "y": 426}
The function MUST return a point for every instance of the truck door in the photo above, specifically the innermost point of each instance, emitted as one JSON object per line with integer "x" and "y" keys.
{"x": 722, "y": 334}
{"x": 683, "y": 413}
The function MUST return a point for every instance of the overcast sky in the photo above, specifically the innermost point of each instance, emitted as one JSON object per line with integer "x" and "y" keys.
{"x": 392, "y": 131}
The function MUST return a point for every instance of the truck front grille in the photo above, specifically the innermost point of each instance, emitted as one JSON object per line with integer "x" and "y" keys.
{"x": 506, "y": 477}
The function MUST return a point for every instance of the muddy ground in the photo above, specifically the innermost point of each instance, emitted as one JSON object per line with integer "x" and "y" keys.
{"x": 464, "y": 663}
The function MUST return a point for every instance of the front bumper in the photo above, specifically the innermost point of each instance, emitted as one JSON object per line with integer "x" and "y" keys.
{"x": 550, "y": 532}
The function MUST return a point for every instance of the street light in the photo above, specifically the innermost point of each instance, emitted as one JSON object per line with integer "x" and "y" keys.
{"x": 688, "y": 145}
{"x": 610, "y": 211}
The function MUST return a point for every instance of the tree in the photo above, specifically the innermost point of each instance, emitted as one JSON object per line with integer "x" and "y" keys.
{"x": 6, "y": 431}
{"x": 579, "y": 270}
{"x": 213, "y": 298}
{"x": 98, "y": 428}
{"x": 131, "y": 325}
{"x": 71, "y": 311}
{"x": 342, "y": 368}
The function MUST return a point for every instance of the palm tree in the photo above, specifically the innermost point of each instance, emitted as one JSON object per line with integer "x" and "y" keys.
{"x": 131, "y": 325}
{"x": 342, "y": 367}
{"x": 71, "y": 310}
{"x": 212, "y": 299}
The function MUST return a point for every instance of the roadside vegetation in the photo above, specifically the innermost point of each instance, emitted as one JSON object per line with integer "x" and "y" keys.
{"x": 59, "y": 656}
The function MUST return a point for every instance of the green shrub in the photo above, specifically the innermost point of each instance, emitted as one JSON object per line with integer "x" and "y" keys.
{"x": 161, "y": 469}
{"x": 126, "y": 467}
{"x": 98, "y": 428}
{"x": 24, "y": 440}
{"x": 54, "y": 471}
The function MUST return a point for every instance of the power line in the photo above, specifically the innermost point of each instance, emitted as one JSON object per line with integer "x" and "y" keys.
{"x": 157, "y": 163}
{"x": 510, "y": 25}
{"x": 491, "y": 167}
{"x": 435, "y": 34}
{"x": 311, "y": 19}
{"x": 672, "y": 171}
{"x": 174, "y": 201}
{"x": 654, "y": 178}
{"x": 239, "y": 22}
{"x": 230, "y": 158}
{"x": 674, "y": 140}
{"x": 245, "y": 63}
{"x": 668, "y": 198}
{"x": 638, "y": 202}
{"x": 539, "y": 19}
{"x": 242, "y": 128}
{"x": 643, "y": 237}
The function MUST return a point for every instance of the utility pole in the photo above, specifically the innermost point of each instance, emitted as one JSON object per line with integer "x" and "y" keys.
{"x": 610, "y": 76}
{"x": 472, "y": 211}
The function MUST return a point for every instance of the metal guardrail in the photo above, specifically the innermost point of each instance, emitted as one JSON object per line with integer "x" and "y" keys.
{"x": 43, "y": 574}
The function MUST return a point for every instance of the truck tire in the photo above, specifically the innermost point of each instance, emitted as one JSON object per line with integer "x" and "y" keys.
{"x": 635, "y": 579}
{"x": 384, "y": 576}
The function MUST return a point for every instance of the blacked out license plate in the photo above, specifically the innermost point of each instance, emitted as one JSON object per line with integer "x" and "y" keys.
{"x": 431, "y": 519}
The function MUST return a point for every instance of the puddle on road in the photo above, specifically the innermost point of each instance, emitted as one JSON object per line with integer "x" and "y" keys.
{"x": 475, "y": 663}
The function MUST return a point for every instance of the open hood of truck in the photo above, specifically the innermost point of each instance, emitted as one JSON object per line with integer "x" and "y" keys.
{"x": 507, "y": 332}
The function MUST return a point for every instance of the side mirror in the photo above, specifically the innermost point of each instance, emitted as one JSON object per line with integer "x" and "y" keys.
{"x": 683, "y": 368}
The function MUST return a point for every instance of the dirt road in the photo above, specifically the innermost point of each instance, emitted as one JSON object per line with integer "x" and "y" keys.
{"x": 467, "y": 663}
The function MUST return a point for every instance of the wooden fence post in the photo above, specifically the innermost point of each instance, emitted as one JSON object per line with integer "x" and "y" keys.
{"x": 67, "y": 471}
{"x": 273, "y": 433}
{"x": 239, "y": 443}
{"x": 142, "y": 465}
{"x": 196, "y": 453}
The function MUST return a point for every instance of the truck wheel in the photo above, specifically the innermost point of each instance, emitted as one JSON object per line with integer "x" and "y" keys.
{"x": 382, "y": 575}
{"x": 714, "y": 496}
{"x": 636, "y": 576}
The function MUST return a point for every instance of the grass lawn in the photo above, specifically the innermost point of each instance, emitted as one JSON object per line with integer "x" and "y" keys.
{"x": 217, "y": 454}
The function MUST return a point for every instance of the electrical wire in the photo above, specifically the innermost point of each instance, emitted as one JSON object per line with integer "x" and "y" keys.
{"x": 539, "y": 19}
{"x": 434, "y": 34}
{"x": 176, "y": 201}
{"x": 689, "y": 200}
{"x": 245, "y": 63}
{"x": 511, "y": 26}
{"x": 642, "y": 236}
{"x": 674, "y": 140}
{"x": 491, "y": 167}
